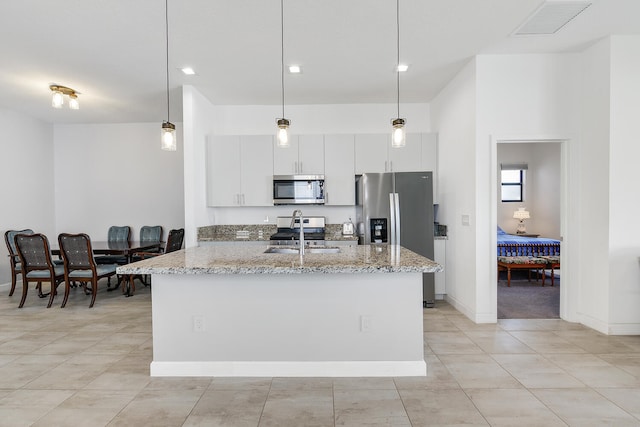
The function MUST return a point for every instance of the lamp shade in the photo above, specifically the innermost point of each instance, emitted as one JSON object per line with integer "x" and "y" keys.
{"x": 521, "y": 213}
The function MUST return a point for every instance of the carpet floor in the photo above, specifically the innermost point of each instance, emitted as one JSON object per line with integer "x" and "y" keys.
{"x": 528, "y": 300}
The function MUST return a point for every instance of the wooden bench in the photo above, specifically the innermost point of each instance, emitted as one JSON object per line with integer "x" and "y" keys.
{"x": 553, "y": 262}
{"x": 509, "y": 263}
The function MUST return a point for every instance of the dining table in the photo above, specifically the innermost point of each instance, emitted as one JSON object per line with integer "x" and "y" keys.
{"x": 123, "y": 248}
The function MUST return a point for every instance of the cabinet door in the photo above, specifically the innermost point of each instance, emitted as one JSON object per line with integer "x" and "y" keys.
{"x": 339, "y": 179}
{"x": 439, "y": 256}
{"x": 256, "y": 153}
{"x": 223, "y": 171}
{"x": 371, "y": 153}
{"x": 407, "y": 158}
{"x": 285, "y": 160}
{"x": 430, "y": 159}
{"x": 311, "y": 154}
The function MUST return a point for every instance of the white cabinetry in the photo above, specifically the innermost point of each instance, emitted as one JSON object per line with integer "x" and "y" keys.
{"x": 439, "y": 256}
{"x": 305, "y": 155}
{"x": 239, "y": 170}
{"x": 339, "y": 175}
{"x": 375, "y": 154}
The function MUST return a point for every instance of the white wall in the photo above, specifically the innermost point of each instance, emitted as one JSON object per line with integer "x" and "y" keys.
{"x": 624, "y": 196}
{"x": 454, "y": 118}
{"x": 27, "y": 190}
{"x": 542, "y": 183}
{"x": 116, "y": 174}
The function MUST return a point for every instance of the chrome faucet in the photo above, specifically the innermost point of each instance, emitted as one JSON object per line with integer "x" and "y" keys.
{"x": 298, "y": 213}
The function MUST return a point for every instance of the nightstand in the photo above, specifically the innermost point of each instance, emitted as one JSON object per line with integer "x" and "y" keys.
{"x": 527, "y": 235}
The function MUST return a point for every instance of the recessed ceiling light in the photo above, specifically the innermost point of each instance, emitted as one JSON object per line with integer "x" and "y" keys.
{"x": 188, "y": 71}
{"x": 295, "y": 69}
{"x": 401, "y": 68}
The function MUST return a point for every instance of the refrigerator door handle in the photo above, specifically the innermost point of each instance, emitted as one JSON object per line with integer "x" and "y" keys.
{"x": 392, "y": 218}
{"x": 396, "y": 197}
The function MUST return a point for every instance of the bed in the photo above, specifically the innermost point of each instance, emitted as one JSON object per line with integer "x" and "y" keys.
{"x": 513, "y": 245}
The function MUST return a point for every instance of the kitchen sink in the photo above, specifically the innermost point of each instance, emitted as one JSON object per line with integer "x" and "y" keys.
{"x": 307, "y": 250}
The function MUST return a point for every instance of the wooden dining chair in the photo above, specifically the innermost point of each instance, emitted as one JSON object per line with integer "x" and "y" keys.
{"x": 37, "y": 265}
{"x": 116, "y": 233}
{"x": 80, "y": 266}
{"x": 14, "y": 258}
{"x": 174, "y": 243}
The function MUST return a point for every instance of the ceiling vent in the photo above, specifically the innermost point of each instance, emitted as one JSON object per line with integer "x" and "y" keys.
{"x": 550, "y": 17}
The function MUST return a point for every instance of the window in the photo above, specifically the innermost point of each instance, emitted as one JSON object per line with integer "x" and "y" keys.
{"x": 512, "y": 182}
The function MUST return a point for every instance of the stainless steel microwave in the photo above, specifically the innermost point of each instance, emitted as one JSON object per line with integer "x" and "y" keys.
{"x": 298, "y": 189}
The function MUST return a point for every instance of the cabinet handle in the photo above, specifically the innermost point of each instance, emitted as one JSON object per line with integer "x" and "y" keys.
{"x": 243, "y": 198}
{"x": 391, "y": 166}
{"x": 300, "y": 171}
{"x": 385, "y": 166}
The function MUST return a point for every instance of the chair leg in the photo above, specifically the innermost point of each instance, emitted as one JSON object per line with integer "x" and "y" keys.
{"x": 94, "y": 291}
{"x": 53, "y": 293}
{"x": 25, "y": 288}
{"x": 14, "y": 279}
{"x": 67, "y": 287}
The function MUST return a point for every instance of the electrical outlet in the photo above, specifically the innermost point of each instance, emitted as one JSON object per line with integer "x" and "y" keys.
{"x": 365, "y": 323}
{"x": 198, "y": 323}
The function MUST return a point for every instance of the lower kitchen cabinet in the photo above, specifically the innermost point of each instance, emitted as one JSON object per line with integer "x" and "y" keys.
{"x": 439, "y": 256}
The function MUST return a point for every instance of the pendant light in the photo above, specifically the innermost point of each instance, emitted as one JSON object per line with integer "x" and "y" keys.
{"x": 168, "y": 140}
{"x": 398, "y": 133}
{"x": 283, "y": 124}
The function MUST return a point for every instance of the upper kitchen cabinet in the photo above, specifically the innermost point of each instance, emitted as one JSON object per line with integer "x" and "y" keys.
{"x": 339, "y": 160}
{"x": 239, "y": 170}
{"x": 407, "y": 158}
{"x": 374, "y": 154}
{"x": 371, "y": 153}
{"x": 305, "y": 155}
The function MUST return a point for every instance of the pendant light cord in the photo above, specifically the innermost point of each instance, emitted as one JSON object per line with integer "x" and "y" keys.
{"x": 282, "y": 51}
{"x": 166, "y": 22}
{"x": 398, "y": 52}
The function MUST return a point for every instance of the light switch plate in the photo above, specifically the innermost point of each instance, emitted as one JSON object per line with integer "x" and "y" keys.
{"x": 466, "y": 219}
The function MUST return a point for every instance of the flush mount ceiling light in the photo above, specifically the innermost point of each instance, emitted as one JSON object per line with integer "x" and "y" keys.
{"x": 188, "y": 71}
{"x": 398, "y": 131}
{"x": 168, "y": 138}
{"x": 283, "y": 124}
{"x": 551, "y": 16}
{"x": 295, "y": 69}
{"x": 401, "y": 68}
{"x": 58, "y": 93}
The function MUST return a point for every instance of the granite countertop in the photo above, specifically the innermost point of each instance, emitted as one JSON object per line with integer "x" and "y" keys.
{"x": 251, "y": 259}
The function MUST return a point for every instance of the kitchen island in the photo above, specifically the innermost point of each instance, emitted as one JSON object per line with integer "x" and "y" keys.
{"x": 238, "y": 311}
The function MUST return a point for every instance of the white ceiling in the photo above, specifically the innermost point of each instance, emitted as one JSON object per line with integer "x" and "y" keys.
{"x": 113, "y": 51}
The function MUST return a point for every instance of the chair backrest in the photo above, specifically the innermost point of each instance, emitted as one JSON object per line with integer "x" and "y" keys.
{"x": 174, "y": 240}
{"x": 34, "y": 252}
{"x": 118, "y": 233}
{"x": 151, "y": 233}
{"x": 9, "y": 238}
{"x": 76, "y": 251}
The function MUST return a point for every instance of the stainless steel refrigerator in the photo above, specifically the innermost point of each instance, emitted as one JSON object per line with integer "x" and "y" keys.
{"x": 397, "y": 208}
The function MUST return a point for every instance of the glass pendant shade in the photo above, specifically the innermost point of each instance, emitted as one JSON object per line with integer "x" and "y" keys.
{"x": 57, "y": 99}
{"x": 398, "y": 139}
{"x": 73, "y": 102}
{"x": 283, "y": 133}
{"x": 168, "y": 136}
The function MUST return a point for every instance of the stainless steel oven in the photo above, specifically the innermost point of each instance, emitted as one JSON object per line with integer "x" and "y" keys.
{"x": 298, "y": 189}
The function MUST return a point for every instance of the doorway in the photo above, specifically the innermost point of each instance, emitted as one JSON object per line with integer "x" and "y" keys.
{"x": 543, "y": 178}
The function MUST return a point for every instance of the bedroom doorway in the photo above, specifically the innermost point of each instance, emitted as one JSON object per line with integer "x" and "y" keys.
{"x": 538, "y": 166}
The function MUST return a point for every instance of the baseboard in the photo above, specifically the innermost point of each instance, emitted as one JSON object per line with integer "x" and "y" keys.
{"x": 290, "y": 369}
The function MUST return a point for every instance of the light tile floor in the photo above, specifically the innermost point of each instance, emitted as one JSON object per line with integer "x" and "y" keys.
{"x": 90, "y": 367}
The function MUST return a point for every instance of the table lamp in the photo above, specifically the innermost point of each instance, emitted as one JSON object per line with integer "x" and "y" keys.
{"x": 521, "y": 215}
